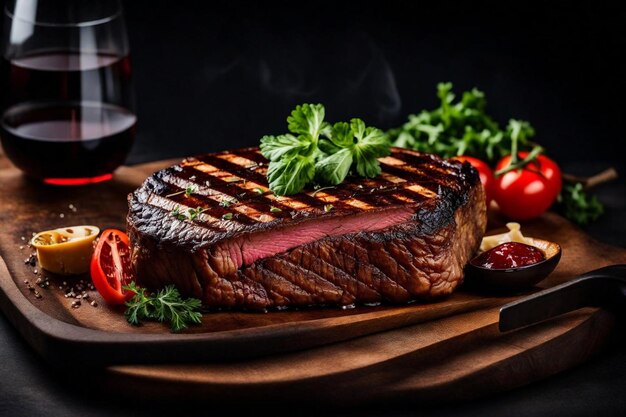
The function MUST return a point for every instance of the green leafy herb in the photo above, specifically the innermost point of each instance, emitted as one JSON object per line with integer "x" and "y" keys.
{"x": 328, "y": 207}
{"x": 227, "y": 216}
{"x": 575, "y": 204}
{"x": 190, "y": 190}
{"x": 227, "y": 201}
{"x": 315, "y": 150}
{"x": 334, "y": 168}
{"x": 289, "y": 175}
{"x": 275, "y": 209}
{"x": 166, "y": 306}
{"x": 193, "y": 213}
{"x": 187, "y": 191}
{"x": 461, "y": 128}
{"x": 177, "y": 213}
{"x": 259, "y": 191}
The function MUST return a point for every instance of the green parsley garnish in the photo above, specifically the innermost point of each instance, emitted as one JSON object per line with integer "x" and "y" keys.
{"x": 227, "y": 216}
{"x": 177, "y": 213}
{"x": 575, "y": 204}
{"x": 259, "y": 190}
{"x": 461, "y": 128}
{"x": 165, "y": 305}
{"x": 316, "y": 150}
{"x": 275, "y": 209}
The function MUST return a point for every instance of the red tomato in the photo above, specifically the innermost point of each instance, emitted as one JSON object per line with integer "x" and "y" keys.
{"x": 526, "y": 193}
{"x": 485, "y": 173}
{"x": 111, "y": 267}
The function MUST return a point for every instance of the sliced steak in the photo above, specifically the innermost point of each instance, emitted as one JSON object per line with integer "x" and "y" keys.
{"x": 402, "y": 236}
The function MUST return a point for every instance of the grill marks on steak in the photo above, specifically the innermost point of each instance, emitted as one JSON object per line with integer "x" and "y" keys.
{"x": 403, "y": 235}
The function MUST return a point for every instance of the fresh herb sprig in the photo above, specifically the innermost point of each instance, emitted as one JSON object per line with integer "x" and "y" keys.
{"x": 461, "y": 128}
{"x": 578, "y": 206}
{"x": 187, "y": 191}
{"x": 576, "y": 203}
{"x": 316, "y": 151}
{"x": 176, "y": 213}
{"x": 192, "y": 213}
{"x": 166, "y": 306}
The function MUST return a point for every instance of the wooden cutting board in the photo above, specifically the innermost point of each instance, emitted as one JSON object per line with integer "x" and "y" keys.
{"x": 449, "y": 348}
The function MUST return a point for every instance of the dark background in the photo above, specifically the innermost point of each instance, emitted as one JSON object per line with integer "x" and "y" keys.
{"x": 225, "y": 74}
{"x": 216, "y": 75}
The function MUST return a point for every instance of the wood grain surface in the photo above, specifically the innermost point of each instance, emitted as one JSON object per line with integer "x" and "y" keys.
{"x": 448, "y": 348}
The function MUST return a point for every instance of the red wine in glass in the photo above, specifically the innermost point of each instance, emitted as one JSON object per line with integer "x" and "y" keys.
{"x": 63, "y": 141}
{"x": 67, "y": 107}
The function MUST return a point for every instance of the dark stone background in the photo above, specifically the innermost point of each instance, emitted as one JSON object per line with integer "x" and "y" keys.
{"x": 220, "y": 74}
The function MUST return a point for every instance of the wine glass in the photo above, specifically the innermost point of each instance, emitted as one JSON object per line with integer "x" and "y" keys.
{"x": 67, "y": 110}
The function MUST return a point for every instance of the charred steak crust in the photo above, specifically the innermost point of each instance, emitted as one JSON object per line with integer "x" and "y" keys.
{"x": 402, "y": 236}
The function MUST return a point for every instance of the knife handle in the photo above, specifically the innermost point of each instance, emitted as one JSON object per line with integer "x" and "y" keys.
{"x": 605, "y": 287}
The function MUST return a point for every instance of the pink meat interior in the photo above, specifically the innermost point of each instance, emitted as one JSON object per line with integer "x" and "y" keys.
{"x": 247, "y": 249}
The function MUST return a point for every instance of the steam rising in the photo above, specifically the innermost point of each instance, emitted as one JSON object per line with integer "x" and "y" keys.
{"x": 347, "y": 72}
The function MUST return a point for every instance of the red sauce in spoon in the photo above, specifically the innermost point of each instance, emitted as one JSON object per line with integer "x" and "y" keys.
{"x": 509, "y": 255}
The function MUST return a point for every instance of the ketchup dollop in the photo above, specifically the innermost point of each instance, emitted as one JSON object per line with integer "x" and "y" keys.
{"x": 509, "y": 255}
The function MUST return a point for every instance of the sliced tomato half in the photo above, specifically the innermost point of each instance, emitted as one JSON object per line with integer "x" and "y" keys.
{"x": 111, "y": 267}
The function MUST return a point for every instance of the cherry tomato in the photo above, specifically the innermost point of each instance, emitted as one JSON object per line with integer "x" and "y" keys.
{"x": 528, "y": 192}
{"x": 111, "y": 266}
{"x": 485, "y": 173}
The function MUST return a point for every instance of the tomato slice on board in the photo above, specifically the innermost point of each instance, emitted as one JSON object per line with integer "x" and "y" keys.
{"x": 111, "y": 267}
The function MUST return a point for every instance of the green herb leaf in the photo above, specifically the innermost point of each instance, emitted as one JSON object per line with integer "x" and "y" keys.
{"x": 575, "y": 204}
{"x": 275, "y": 209}
{"x": 307, "y": 120}
{"x": 166, "y": 305}
{"x": 276, "y": 147}
{"x": 227, "y": 216}
{"x": 289, "y": 176}
{"x": 193, "y": 213}
{"x": 371, "y": 144}
{"x": 190, "y": 190}
{"x": 342, "y": 135}
{"x": 334, "y": 168}
{"x": 177, "y": 213}
{"x": 227, "y": 201}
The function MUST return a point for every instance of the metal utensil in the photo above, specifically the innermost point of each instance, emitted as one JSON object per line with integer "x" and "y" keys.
{"x": 604, "y": 287}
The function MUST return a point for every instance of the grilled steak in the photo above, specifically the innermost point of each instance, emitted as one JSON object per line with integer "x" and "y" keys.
{"x": 402, "y": 236}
